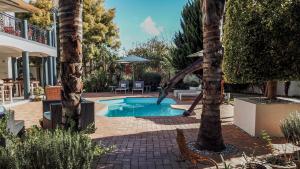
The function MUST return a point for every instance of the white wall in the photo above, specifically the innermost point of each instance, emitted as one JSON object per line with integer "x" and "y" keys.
{"x": 293, "y": 91}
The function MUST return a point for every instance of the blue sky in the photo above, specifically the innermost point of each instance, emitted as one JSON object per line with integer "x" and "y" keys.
{"x": 139, "y": 20}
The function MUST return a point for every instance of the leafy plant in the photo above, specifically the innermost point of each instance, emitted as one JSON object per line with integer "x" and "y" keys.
{"x": 152, "y": 78}
{"x": 290, "y": 128}
{"x": 266, "y": 137}
{"x": 42, "y": 149}
{"x": 280, "y": 160}
{"x": 96, "y": 82}
{"x": 38, "y": 91}
{"x": 7, "y": 161}
{"x": 225, "y": 164}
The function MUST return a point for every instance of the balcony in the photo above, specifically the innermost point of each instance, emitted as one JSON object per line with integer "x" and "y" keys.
{"x": 20, "y": 28}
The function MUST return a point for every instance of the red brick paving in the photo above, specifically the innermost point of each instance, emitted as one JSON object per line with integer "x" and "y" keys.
{"x": 147, "y": 142}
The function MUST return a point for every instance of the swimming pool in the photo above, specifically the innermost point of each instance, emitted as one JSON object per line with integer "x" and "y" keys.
{"x": 139, "y": 107}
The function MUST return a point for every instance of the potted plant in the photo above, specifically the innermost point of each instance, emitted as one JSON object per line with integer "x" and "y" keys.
{"x": 296, "y": 158}
{"x": 290, "y": 128}
{"x": 277, "y": 161}
{"x": 38, "y": 94}
{"x": 252, "y": 162}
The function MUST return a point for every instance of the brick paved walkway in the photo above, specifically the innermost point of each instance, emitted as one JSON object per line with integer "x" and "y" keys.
{"x": 148, "y": 142}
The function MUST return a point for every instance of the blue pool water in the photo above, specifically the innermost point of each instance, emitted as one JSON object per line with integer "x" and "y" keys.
{"x": 140, "y": 107}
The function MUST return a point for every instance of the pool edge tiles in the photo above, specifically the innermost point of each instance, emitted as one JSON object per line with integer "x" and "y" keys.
{"x": 139, "y": 107}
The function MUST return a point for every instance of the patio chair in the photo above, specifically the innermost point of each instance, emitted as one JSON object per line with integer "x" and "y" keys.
{"x": 123, "y": 86}
{"x": 14, "y": 126}
{"x": 138, "y": 86}
{"x": 187, "y": 154}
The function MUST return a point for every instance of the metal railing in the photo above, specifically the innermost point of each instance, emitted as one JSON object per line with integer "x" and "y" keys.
{"x": 11, "y": 25}
{"x": 16, "y": 27}
{"x": 37, "y": 34}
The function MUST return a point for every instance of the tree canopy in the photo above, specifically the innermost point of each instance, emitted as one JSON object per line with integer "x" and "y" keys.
{"x": 98, "y": 24}
{"x": 42, "y": 18}
{"x": 158, "y": 52}
{"x": 189, "y": 40}
{"x": 261, "y": 40}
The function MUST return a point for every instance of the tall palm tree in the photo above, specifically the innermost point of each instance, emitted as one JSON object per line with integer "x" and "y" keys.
{"x": 210, "y": 133}
{"x": 70, "y": 23}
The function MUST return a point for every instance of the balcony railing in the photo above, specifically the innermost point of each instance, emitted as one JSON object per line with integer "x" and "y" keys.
{"x": 37, "y": 34}
{"x": 10, "y": 25}
{"x": 16, "y": 27}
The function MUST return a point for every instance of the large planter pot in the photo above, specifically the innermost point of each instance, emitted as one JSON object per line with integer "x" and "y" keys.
{"x": 293, "y": 166}
{"x": 297, "y": 162}
{"x": 253, "y": 116}
{"x": 254, "y": 165}
{"x": 296, "y": 158}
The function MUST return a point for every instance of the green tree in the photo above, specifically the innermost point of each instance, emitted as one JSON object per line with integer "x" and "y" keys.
{"x": 158, "y": 52}
{"x": 261, "y": 40}
{"x": 100, "y": 33}
{"x": 42, "y": 18}
{"x": 98, "y": 25}
{"x": 189, "y": 40}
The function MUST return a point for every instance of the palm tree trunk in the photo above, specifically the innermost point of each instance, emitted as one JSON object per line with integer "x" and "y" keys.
{"x": 70, "y": 13}
{"x": 271, "y": 89}
{"x": 210, "y": 133}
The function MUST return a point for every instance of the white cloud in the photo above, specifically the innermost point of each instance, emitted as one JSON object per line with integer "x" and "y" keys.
{"x": 150, "y": 27}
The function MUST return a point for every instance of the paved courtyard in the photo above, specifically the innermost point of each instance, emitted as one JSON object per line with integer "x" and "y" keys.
{"x": 149, "y": 142}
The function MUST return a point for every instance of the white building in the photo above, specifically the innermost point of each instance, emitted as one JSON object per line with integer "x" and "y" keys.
{"x": 27, "y": 52}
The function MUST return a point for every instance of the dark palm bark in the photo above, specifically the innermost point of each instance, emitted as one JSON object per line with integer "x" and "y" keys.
{"x": 210, "y": 133}
{"x": 70, "y": 18}
{"x": 197, "y": 65}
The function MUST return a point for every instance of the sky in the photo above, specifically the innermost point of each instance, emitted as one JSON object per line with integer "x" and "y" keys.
{"x": 140, "y": 20}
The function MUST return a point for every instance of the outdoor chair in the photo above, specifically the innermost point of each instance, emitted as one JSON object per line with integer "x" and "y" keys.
{"x": 52, "y": 114}
{"x": 15, "y": 127}
{"x": 138, "y": 86}
{"x": 123, "y": 86}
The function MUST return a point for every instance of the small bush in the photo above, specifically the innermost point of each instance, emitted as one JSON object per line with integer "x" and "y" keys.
{"x": 38, "y": 91}
{"x": 151, "y": 78}
{"x": 97, "y": 82}
{"x": 7, "y": 161}
{"x": 42, "y": 149}
{"x": 290, "y": 128}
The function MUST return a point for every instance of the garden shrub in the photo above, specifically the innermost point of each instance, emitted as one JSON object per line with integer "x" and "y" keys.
{"x": 151, "y": 78}
{"x": 7, "y": 161}
{"x": 43, "y": 149}
{"x": 97, "y": 82}
{"x": 191, "y": 80}
{"x": 290, "y": 128}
